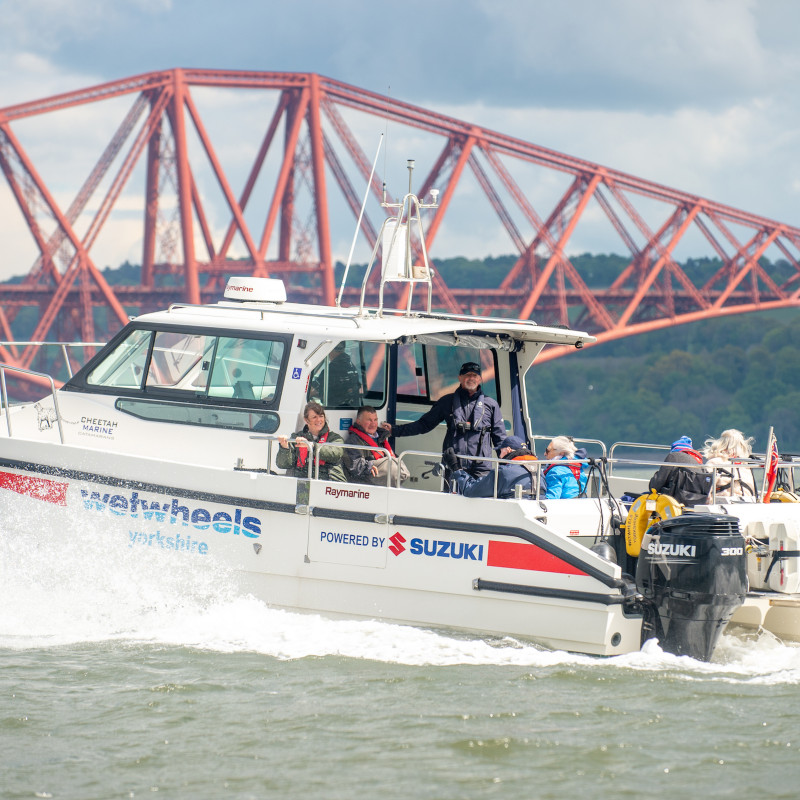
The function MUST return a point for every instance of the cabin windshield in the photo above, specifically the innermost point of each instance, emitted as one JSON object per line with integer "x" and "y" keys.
{"x": 198, "y": 364}
{"x": 124, "y": 366}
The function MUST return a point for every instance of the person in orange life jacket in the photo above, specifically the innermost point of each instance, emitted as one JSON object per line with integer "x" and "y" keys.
{"x": 295, "y": 451}
{"x": 474, "y": 423}
{"x": 359, "y": 464}
{"x": 563, "y": 480}
{"x": 682, "y": 476}
{"x": 509, "y": 475}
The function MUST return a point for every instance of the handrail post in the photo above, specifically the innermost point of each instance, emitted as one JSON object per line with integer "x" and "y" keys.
{"x": 58, "y": 412}
{"x": 4, "y": 400}
{"x": 66, "y": 359}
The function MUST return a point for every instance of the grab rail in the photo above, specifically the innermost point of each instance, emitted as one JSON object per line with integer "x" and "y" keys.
{"x": 536, "y": 465}
{"x": 345, "y": 446}
{"x": 543, "y": 437}
{"x": 640, "y": 445}
{"x": 61, "y": 345}
{"x": 5, "y": 405}
{"x": 313, "y": 463}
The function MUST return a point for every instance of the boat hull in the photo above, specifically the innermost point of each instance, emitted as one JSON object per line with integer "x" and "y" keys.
{"x": 398, "y": 555}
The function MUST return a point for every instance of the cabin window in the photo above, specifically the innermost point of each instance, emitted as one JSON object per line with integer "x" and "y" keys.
{"x": 175, "y": 362}
{"x": 353, "y": 374}
{"x": 412, "y": 382}
{"x": 123, "y": 367}
{"x": 425, "y": 373}
{"x": 196, "y": 364}
{"x": 246, "y": 369}
{"x": 206, "y": 416}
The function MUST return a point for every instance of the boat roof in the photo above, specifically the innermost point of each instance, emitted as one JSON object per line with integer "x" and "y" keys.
{"x": 351, "y": 323}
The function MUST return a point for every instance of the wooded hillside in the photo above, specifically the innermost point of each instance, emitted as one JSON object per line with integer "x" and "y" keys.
{"x": 699, "y": 379}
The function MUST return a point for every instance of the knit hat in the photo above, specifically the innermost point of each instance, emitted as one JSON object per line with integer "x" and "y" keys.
{"x": 684, "y": 443}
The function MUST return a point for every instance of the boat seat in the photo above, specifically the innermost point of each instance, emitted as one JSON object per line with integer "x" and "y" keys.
{"x": 244, "y": 390}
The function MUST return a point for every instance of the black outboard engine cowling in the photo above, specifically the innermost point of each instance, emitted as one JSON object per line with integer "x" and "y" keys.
{"x": 692, "y": 569}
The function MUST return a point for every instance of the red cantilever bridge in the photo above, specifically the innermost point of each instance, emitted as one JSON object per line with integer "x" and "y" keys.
{"x": 183, "y": 186}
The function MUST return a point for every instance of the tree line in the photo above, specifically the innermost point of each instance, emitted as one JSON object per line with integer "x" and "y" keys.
{"x": 698, "y": 379}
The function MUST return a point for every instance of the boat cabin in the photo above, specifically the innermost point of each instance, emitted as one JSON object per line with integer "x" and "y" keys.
{"x": 221, "y": 374}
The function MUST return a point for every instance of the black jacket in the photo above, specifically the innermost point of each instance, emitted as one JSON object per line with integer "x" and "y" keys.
{"x": 357, "y": 463}
{"x": 475, "y": 438}
{"x": 689, "y": 484}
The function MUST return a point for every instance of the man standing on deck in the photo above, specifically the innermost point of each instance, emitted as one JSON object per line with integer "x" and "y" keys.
{"x": 474, "y": 424}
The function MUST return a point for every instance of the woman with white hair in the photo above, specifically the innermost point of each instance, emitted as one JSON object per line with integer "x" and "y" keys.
{"x": 725, "y": 453}
{"x": 561, "y": 480}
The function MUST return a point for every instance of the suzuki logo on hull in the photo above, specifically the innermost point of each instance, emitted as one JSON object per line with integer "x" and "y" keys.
{"x": 397, "y": 542}
{"x": 444, "y": 549}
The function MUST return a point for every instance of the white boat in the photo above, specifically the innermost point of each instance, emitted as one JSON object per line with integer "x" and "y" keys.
{"x": 166, "y": 440}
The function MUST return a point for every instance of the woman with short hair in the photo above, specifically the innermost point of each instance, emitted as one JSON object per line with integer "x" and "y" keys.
{"x": 295, "y": 451}
{"x": 562, "y": 481}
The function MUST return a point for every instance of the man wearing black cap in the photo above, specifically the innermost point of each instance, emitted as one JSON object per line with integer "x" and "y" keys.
{"x": 474, "y": 423}
{"x": 513, "y": 449}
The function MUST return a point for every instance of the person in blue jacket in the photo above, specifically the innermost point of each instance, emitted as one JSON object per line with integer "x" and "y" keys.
{"x": 509, "y": 475}
{"x": 474, "y": 423}
{"x": 562, "y": 480}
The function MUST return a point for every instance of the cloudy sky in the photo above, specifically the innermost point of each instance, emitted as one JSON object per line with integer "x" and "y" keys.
{"x": 697, "y": 94}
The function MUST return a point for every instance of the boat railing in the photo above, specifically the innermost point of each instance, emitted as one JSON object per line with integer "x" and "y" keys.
{"x": 535, "y": 466}
{"x": 64, "y": 347}
{"x": 261, "y": 437}
{"x": 5, "y": 406}
{"x": 536, "y": 437}
{"x": 755, "y": 464}
{"x": 312, "y": 464}
{"x": 728, "y": 469}
{"x": 344, "y": 446}
{"x": 612, "y": 460}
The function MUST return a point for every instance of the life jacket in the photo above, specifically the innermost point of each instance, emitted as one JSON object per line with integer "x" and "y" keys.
{"x": 575, "y": 469}
{"x": 693, "y": 453}
{"x": 523, "y": 455}
{"x": 578, "y": 470}
{"x": 368, "y": 440}
{"x": 460, "y": 424}
{"x": 302, "y": 452}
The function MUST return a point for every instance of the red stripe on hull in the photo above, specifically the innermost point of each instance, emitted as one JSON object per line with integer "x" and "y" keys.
{"x": 514, "y": 555}
{"x": 38, "y": 488}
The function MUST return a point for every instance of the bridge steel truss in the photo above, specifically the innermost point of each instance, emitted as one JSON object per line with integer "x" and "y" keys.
{"x": 314, "y": 148}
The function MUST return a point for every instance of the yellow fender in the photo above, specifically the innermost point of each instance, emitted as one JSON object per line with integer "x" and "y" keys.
{"x": 782, "y": 496}
{"x": 644, "y": 512}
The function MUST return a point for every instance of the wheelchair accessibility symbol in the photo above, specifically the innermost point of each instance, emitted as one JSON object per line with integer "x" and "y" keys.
{"x": 296, "y": 373}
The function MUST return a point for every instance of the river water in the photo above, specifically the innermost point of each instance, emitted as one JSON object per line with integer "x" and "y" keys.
{"x": 124, "y": 676}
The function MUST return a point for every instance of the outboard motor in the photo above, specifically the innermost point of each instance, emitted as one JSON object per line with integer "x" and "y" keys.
{"x": 692, "y": 570}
